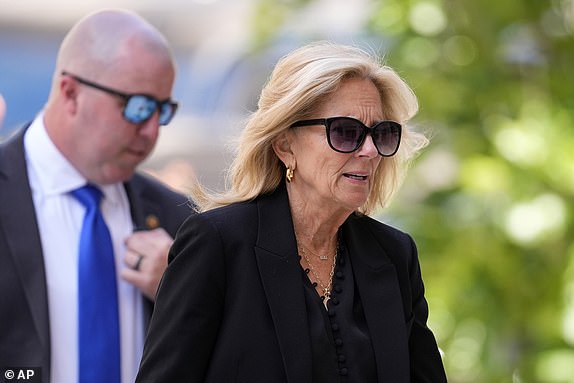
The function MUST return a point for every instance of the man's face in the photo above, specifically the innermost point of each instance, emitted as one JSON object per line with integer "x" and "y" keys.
{"x": 109, "y": 148}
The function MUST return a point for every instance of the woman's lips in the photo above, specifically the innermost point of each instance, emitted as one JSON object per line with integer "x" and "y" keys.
{"x": 355, "y": 176}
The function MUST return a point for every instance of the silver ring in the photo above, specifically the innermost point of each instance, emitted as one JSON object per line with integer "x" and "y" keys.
{"x": 138, "y": 263}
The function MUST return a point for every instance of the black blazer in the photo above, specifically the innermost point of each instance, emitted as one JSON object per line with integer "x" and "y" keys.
{"x": 231, "y": 305}
{"x": 24, "y": 320}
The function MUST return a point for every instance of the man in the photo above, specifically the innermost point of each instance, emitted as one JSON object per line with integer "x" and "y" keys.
{"x": 110, "y": 93}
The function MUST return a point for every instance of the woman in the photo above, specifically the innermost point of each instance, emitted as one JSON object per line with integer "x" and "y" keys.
{"x": 284, "y": 278}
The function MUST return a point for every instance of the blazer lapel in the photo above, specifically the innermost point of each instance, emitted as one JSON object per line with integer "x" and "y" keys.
{"x": 378, "y": 286}
{"x": 22, "y": 236}
{"x": 276, "y": 253}
{"x": 145, "y": 212}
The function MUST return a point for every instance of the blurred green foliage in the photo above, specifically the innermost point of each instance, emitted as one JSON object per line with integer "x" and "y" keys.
{"x": 489, "y": 202}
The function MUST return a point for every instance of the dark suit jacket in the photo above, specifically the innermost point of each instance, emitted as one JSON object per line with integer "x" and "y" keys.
{"x": 24, "y": 320}
{"x": 231, "y": 305}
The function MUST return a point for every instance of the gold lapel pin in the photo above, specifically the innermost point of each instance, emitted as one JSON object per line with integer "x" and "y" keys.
{"x": 151, "y": 222}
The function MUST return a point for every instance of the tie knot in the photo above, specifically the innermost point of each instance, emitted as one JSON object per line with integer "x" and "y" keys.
{"x": 88, "y": 195}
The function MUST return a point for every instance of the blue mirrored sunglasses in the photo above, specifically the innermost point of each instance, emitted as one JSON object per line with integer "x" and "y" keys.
{"x": 138, "y": 108}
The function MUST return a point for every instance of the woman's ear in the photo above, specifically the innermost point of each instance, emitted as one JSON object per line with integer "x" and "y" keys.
{"x": 282, "y": 147}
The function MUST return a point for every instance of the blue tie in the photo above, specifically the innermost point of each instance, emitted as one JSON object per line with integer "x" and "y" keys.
{"x": 98, "y": 324}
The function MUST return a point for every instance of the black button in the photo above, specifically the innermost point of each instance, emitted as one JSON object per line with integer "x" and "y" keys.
{"x": 335, "y": 327}
{"x": 343, "y": 371}
{"x": 335, "y": 301}
{"x": 339, "y": 341}
{"x": 337, "y": 288}
{"x": 339, "y": 275}
{"x": 342, "y": 358}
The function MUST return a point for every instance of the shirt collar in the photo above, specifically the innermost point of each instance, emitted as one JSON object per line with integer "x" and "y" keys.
{"x": 55, "y": 175}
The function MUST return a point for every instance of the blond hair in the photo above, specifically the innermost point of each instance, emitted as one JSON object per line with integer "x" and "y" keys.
{"x": 299, "y": 83}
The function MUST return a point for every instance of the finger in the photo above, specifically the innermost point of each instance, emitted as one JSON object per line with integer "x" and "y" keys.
{"x": 131, "y": 259}
{"x": 149, "y": 242}
{"x": 136, "y": 266}
{"x": 142, "y": 280}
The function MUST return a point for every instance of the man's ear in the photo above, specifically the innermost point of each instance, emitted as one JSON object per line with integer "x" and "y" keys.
{"x": 282, "y": 148}
{"x": 69, "y": 92}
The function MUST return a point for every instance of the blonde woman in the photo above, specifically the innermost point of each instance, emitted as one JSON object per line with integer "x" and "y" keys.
{"x": 284, "y": 277}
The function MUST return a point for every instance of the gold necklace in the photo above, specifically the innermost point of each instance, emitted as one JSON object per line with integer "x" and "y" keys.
{"x": 322, "y": 257}
{"x": 326, "y": 288}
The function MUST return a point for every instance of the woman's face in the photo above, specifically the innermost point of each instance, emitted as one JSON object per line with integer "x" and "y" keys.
{"x": 328, "y": 179}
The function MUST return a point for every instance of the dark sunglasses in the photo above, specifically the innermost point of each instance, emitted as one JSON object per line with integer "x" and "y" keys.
{"x": 347, "y": 134}
{"x": 138, "y": 107}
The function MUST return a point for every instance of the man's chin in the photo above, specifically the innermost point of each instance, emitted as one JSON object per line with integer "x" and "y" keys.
{"x": 116, "y": 174}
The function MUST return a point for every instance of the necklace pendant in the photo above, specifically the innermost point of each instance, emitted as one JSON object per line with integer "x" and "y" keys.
{"x": 326, "y": 297}
{"x": 323, "y": 257}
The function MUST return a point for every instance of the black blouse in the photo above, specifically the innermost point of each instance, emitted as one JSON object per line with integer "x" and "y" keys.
{"x": 340, "y": 340}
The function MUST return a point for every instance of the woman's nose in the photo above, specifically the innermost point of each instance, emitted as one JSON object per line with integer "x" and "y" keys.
{"x": 368, "y": 148}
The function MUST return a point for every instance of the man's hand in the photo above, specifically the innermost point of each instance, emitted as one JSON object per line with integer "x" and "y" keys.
{"x": 146, "y": 257}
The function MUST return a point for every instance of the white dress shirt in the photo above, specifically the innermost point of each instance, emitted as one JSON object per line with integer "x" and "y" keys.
{"x": 60, "y": 218}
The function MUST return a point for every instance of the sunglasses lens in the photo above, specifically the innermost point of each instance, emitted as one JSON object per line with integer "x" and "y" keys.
{"x": 139, "y": 108}
{"x": 387, "y": 136}
{"x": 166, "y": 112}
{"x": 345, "y": 134}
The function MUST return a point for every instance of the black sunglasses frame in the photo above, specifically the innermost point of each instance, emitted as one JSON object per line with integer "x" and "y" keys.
{"x": 126, "y": 97}
{"x": 366, "y": 131}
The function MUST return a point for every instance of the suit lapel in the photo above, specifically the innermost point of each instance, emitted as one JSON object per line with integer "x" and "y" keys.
{"x": 21, "y": 232}
{"x": 276, "y": 253}
{"x": 378, "y": 285}
{"x": 145, "y": 214}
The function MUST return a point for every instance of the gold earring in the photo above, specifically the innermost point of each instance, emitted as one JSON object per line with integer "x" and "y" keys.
{"x": 289, "y": 174}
